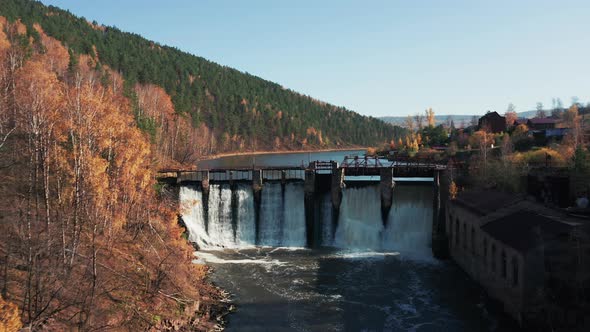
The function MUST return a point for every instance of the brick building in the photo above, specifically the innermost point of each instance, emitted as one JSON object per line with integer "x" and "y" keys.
{"x": 518, "y": 251}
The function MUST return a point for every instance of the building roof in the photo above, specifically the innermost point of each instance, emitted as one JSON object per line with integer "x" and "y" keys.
{"x": 543, "y": 121}
{"x": 490, "y": 114}
{"x": 518, "y": 229}
{"x": 483, "y": 202}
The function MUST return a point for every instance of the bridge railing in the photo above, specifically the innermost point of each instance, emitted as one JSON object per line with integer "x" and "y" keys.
{"x": 362, "y": 162}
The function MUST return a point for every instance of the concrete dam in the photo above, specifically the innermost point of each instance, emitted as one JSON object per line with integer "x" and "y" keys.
{"x": 359, "y": 204}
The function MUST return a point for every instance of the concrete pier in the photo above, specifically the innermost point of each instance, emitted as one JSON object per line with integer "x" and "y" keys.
{"x": 386, "y": 185}
{"x": 205, "y": 197}
{"x": 440, "y": 189}
{"x": 337, "y": 185}
{"x": 257, "y": 193}
{"x": 231, "y": 179}
{"x": 205, "y": 182}
{"x": 310, "y": 203}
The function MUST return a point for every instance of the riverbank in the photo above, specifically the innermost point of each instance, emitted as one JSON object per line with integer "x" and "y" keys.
{"x": 269, "y": 152}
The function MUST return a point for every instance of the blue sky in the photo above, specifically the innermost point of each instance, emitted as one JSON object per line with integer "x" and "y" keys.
{"x": 380, "y": 57}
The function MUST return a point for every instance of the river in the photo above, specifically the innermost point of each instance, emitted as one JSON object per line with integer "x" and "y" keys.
{"x": 277, "y": 159}
{"x": 364, "y": 275}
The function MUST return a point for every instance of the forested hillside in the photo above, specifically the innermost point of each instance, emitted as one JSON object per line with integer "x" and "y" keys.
{"x": 228, "y": 109}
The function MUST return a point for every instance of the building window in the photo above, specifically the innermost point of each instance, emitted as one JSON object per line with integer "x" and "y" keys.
{"x": 493, "y": 258}
{"x": 514, "y": 271}
{"x": 473, "y": 242}
{"x": 450, "y": 228}
{"x": 457, "y": 235}
{"x": 485, "y": 253}
{"x": 504, "y": 274}
{"x": 464, "y": 236}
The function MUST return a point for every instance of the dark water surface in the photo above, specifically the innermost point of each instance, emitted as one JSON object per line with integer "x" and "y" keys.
{"x": 281, "y": 289}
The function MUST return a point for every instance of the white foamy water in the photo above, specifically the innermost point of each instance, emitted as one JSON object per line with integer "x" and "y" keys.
{"x": 294, "y": 231}
{"x": 206, "y": 257}
{"x": 192, "y": 211}
{"x": 246, "y": 225}
{"x": 409, "y": 225}
{"x": 231, "y": 220}
{"x": 360, "y": 225}
{"x": 220, "y": 228}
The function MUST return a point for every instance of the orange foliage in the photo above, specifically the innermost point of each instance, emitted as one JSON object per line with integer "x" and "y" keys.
{"x": 4, "y": 43}
{"x": 79, "y": 207}
{"x": 9, "y": 317}
{"x": 56, "y": 55}
{"x": 155, "y": 103}
{"x": 21, "y": 29}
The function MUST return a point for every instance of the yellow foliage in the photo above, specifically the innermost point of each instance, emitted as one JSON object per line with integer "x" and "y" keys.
{"x": 9, "y": 317}
{"x": 56, "y": 56}
{"x": 4, "y": 43}
{"x": 430, "y": 117}
{"x": 520, "y": 130}
{"x": 453, "y": 190}
{"x": 539, "y": 157}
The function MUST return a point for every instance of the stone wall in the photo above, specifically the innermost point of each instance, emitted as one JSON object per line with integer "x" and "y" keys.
{"x": 498, "y": 268}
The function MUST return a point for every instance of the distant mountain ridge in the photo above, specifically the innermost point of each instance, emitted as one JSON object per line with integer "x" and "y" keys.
{"x": 457, "y": 119}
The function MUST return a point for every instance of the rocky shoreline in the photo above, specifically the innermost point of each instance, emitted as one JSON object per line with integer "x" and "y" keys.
{"x": 208, "y": 313}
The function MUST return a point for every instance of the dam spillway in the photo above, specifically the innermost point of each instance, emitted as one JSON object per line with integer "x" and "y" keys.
{"x": 228, "y": 219}
{"x": 314, "y": 207}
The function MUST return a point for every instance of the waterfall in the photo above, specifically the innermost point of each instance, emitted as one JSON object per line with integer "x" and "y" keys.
{"x": 360, "y": 225}
{"x": 409, "y": 225}
{"x": 192, "y": 212}
{"x": 220, "y": 228}
{"x": 271, "y": 215}
{"x": 282, "y": 215}
{"x": 232, "y": 221}
{"x": 294, "y": 232}
{"x": 246, "y": 223}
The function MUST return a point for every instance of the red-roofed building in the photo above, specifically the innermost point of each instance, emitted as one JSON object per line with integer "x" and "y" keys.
{"x": 542, "y": 123}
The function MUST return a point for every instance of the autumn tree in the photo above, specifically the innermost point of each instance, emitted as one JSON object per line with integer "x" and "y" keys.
{"x": 573, "y": 121}
{"x": 557, "y": 110}
{"x": 510, "y": 115}
{"x": 429, "y": 113}
{"x": 419, "y": 121}
{"x": 82, "y": 230}
{"x": 483, "y": 140}
{"x": 409, "y": 123}
{"x": 9, "y": 316}
{"x": 540, "y": 111}
{"x": 506, "y": 147}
